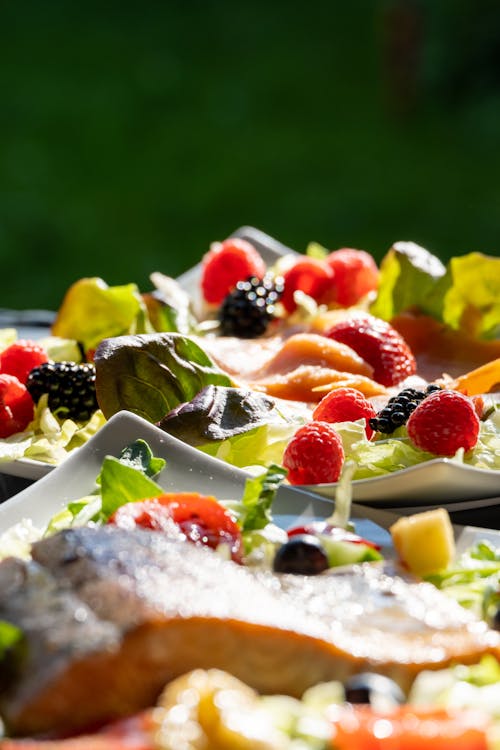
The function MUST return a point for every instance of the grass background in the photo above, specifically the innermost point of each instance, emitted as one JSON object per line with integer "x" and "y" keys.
{"x": 134, "y": 134}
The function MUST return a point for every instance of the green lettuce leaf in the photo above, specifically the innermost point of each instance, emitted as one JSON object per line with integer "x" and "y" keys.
{"x": 410, "y": 277}
{"x": 258, "y": 498}
{"x": 473, "y": 300}
{"x": 465, "y": 295}
{"x": 92, "y": 311}
{"x": 122, "y": 483}
{"x": 151, "y": 374}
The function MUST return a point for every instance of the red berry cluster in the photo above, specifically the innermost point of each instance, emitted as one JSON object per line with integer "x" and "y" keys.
{"x": 315, "y": 454}
{"x": 16, "y": 404}
{"x": 343, "y": 277}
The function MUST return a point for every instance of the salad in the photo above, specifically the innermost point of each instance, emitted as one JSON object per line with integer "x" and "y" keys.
{"x": 456, "y": 708}
{"x": 237, "y": 370}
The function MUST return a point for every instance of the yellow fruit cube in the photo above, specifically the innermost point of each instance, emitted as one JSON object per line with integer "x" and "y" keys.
{"x": 424, "y": 542}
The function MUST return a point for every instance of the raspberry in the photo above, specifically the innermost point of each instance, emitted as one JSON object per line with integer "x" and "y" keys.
{"x": 444, "y": 422}
{"x": 225, "y": 264}
{"x": 379, "y": 344}
{"x": 314, "y": 455}
{"x": 21, "y": 357}
{"x": 356, "y": 274}
{"x": 16, "y": 406}
{"x": 309, "y": 275}
{"x": 345, "y": 405}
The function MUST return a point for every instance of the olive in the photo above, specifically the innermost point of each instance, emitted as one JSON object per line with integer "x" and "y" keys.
{"x": 374, "y": 689}
{"x": 495, "y": 620}
{"x": 302, "y": 554}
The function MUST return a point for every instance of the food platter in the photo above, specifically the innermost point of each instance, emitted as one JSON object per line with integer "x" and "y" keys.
{"x": 438, "y": 481}
{"x": 187, "y": 469}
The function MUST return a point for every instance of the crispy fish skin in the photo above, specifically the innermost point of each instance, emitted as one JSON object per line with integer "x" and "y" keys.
{"x": 177, "y": 607}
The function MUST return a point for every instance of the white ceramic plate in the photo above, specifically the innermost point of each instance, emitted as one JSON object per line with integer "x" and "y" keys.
{"x": 440, "y": 481}
{"x": 187, "y": 469}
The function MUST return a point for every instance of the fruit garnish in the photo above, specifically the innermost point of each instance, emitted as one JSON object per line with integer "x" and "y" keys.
{"x": 311, "y": 276}
{"x": 314, "y": 455}
{"x": 379, "y": 344}
{"x": 398, "y": 409}
{"x": 21, "y": 357}
{"x": 424, "y": 542}
{"x": 70, "y": 388}
{"x": 16, "y": 406}
{"x": 443, "y": 423}
{"x": 345, "y": 405}
{"x": 201, "y": 519}
{"x": 356, "y": 274}
{"x": 225, "y": 264}
{"x": 250, "y": 307}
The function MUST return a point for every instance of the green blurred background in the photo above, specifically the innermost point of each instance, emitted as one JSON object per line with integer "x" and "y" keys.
{"x": 132, "y": 134}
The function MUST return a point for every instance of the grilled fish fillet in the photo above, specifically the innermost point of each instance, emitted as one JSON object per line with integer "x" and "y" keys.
{"x": 110, "y": 616}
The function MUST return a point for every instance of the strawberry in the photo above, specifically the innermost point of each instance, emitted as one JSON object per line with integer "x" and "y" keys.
{"x": 356, "y": 274}
{"x": 225, "y": 264}
{"x": 314, "y": 455}
{"x": 309, "y": 275}
{"x": 379, "y": 344}
{"x": 345, "y": 405}
{"x": 16, "y": 406}
{"x": 21, "y": 357}
{"x": 444, "y": 422}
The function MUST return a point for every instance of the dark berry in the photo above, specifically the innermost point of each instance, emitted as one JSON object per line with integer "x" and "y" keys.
{"x": 302, "y": 554}
{"x": 399, "y": 408}
{"x": 369, "y": 688}
{"x": 70, "y": 388}
{"x": 249, "y": 308}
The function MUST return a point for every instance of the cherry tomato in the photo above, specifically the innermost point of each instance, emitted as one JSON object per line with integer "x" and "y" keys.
{"x": 200, "y": 519}
{"x": 407, "y": 728}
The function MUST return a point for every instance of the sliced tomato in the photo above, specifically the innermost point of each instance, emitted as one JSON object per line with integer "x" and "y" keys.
{"x": 200, "y": 519}
{"x": 408, "y": 728}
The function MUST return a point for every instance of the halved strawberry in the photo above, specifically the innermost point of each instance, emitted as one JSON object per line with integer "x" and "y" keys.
{"x": 379, "y": 344}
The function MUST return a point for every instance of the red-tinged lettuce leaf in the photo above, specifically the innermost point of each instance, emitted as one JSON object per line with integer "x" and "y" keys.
{"x": 150, "y": 374}
{"x": 92, "y": 311}
{"x": 472, "y": 303}
{"x": 217, "y": 413}
{"x": 410, "y": 278}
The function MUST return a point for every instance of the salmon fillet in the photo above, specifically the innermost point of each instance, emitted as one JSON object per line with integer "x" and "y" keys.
{"x": 110, "y": 616}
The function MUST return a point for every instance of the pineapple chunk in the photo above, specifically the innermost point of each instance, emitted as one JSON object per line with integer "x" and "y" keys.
{"x": 424, "y": 542}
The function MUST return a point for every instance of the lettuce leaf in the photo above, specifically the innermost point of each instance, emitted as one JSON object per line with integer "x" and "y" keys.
{"x": 91, "y": 311}
{"x": 151, "y": 374}
{"x": 465, "y": 295}
{"x": 473, "y": 300}
{"x": 218, "y": 412}
{"x": 410, "y": 276}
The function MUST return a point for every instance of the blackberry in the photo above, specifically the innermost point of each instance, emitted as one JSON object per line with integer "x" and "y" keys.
{"x": 70, "y": 388}
{"x": 398, "y": 409}
{"x": 250, "y": 307}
